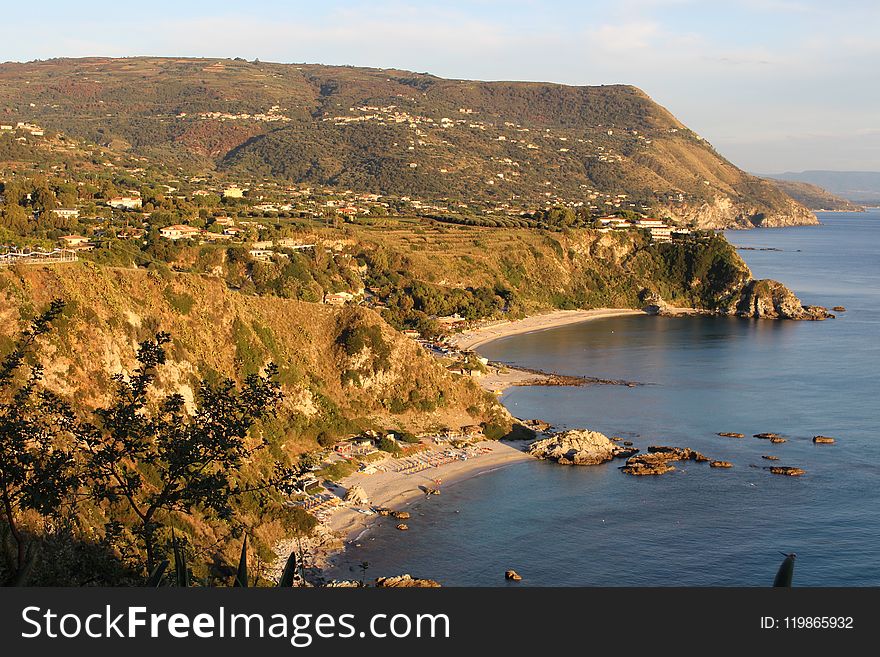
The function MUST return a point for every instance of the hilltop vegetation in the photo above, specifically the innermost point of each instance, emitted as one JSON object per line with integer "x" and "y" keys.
{"x": 397, "y": 132}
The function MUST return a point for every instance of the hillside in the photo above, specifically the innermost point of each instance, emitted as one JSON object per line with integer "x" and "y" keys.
{"x": 816, "y": 198}
{"x": 328, "y": 387}
{"x": 510, "y": 144}
{"x": 856, "y": 186}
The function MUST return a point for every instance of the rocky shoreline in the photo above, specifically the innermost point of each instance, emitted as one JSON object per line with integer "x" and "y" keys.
{"x": 326, "y": 551}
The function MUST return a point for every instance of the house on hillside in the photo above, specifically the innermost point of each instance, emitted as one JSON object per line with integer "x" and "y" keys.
{"x": 76, "y": 242}
{"x": 125, "y": 202}
{"x": 179, "y": 232}
{"x": 263, "y": 255}
{"x": 295, "y": 244}
{"x": 66, "y": 213}
{"x": 658, "y": 229}
{"x": 130, "y": 234}
{"x": 338, "y": 298}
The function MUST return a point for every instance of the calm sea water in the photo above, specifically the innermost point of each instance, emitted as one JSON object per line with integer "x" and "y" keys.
{"x": 592, "y": 526}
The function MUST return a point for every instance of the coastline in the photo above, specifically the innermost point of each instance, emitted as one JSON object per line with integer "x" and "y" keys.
{"x": 345, "y": 526}
{"x": 472, "y": 339}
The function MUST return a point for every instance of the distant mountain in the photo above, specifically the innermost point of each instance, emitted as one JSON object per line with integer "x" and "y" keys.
{"x": 816, "y": 198}
{"x": 398, "y": 132}
{"x": 857, "y": 186}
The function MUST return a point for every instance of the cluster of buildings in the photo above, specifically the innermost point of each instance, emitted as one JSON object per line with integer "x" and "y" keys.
{"x": 271, "y": 116}
{"x": 658, "y": 229}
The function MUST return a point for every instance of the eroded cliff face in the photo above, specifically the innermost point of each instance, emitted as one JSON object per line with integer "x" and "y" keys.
{"x": 725, "y": 212}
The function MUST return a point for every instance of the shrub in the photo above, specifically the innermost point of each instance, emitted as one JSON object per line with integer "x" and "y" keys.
{"x": 182, "y": 302}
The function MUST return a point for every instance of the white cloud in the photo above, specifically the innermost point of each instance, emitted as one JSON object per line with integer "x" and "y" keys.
{"x": 624, "y": 36}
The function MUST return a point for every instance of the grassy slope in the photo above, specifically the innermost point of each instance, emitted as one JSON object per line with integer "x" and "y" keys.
{"x": 573, "y": 269}
{"x": 218, "y": 332}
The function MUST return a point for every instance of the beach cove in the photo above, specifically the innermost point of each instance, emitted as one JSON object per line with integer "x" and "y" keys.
{"x": 568, "y": 526}
{"x": 344, "y": 525}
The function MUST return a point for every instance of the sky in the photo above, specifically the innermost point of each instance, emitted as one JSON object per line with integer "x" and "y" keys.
{"x": 774, "y": 85}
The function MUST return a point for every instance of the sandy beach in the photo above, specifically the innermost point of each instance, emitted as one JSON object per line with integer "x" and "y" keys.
{"x": 344, "y": 525}
{"x": 489, "y": 332}
{"x": 395, "y": 491}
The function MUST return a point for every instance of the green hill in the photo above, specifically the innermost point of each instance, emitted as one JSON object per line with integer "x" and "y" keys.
{"x": 512, "y": 144}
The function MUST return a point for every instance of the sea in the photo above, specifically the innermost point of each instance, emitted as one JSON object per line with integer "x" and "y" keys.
{"x": 698, "y": 526}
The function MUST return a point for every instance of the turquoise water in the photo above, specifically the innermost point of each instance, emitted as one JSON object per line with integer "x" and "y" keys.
{"x": 594, "y": 526}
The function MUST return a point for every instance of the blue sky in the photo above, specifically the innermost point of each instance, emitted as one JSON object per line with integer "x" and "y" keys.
{"x": 775, "y": 85}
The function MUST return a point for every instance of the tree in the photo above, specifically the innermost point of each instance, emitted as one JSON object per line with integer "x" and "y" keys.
{"x": 38, "y": 433}
{"x": 167, "y": 461}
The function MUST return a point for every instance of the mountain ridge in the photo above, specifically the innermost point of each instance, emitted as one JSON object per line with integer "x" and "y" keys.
{"x": 855, "y": 186}
{"x": 524, "y": 145}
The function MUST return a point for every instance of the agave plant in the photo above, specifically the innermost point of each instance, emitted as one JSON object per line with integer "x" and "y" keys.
{"x": 180, "y": 568}
{"x": 241, "y": 577}
{"x": 156, "y": 577}
{"x": 289, "y": 573}
{"x": 786, "y": 571}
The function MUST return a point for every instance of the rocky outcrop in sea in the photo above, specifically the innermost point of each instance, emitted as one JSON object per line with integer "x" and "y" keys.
{"x": 658, "y": 460}
{"x": 578, "y": 447}
{"x": 769, "y": 299}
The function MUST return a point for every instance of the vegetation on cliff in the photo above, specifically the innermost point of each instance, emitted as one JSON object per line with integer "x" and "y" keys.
{"x": 195, "y": 430}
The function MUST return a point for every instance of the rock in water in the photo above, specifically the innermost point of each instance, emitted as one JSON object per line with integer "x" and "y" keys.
{"x": 767, "y": 436}
{"x": 678, "y": 453}
{"x": 771, "y": 458}
{"x": 401, "y": 515}
{"x": 720, "y": 464}
{"x": 777, "y": 440}
{"x": 405, "y": 581}
{"x": 823, "y": 440}
{"x": 537, "y": 425}
{"x": 771, "y": 299}
{"x": 356, "y": 495}
{"x": 513, "y": 576}
{"x": 786, "y": 470}
{"x": 839, "y": 309}
{"x": 577, "y": 447}
{"x": 730, "y": 434}
{"x": 658, "y": 460}
{"x": 403, "y": 527}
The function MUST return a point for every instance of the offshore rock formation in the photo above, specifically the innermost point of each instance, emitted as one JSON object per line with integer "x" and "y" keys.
{"x": 769, "y": 299}
{"x": 578, "y": 447}
{"x": 658, "y": 460}
{"x": 786, "y": 470}
{"x": 406, "y": 581}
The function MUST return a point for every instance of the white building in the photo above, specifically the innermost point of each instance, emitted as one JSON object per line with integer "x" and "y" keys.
{"x": 179, "y": 232}
{"x": 125, "y": 202}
